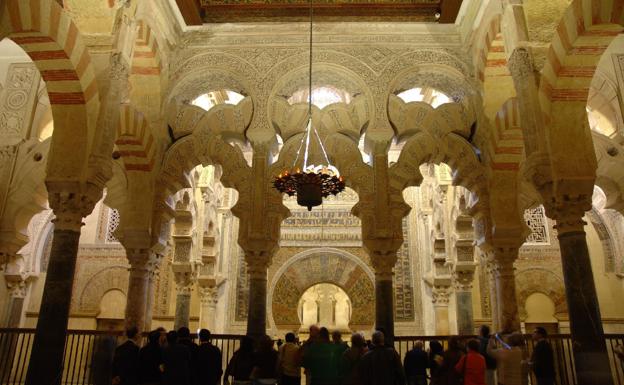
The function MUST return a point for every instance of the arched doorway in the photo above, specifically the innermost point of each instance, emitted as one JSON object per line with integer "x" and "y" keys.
{"x": 322, "y": 266}
{"x": 325, "y": 304}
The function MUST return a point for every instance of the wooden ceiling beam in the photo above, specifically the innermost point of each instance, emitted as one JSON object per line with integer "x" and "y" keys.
{"x": 449, "y": 10}
{"x": 191, "y": 11}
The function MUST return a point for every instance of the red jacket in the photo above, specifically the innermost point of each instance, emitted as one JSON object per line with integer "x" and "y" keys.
{"x": 473, "y": 370}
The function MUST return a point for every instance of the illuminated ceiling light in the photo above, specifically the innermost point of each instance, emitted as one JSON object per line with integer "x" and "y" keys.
{"x": 309, "y": 182}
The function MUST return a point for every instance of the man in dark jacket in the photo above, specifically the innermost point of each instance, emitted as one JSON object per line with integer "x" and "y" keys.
{"x": 150, "y": 359}
{"x": 209, "y": 360}
{"x": 126, "y": 360}
{"x": 184, "y": 338}
{"x": 415, "y": 364}
{"x": 542, "y": 360}
{"x": 176, "y": 362}
{"x": 381, "y": 365}
{"x": 490, "y": 362}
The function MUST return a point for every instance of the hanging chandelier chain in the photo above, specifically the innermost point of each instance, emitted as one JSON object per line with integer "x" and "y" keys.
{"x": 312, "y": 184}
{"x": 310, "y": 74}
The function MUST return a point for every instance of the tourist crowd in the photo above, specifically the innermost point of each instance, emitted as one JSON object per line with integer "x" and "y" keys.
{"x": 172, "y": 358}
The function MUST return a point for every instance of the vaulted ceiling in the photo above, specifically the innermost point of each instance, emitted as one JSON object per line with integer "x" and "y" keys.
{"x": 197, "y": 12}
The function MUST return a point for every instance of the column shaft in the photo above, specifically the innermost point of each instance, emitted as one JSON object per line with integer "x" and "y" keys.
{"x": 384, "y": 306}
{"x": 441, "y": 310}
{"x": 465, "y": 323}
{"x": 508, "y": 319}
{"x": 590, "y": 352}
{"x": 46, "y": 359}
{"x": 183, "y": 308}
{"x": 136, "y": 305}
{"x": 151, "y": 293}
{"x": 256, "y": 311}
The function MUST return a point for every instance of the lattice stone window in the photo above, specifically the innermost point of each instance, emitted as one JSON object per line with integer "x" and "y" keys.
{"x": 538, "y": 224}
{"x": 113, "y": 223}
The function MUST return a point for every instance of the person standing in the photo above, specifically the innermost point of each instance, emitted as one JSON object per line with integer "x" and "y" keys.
{"x": 472, "y": 365}
{"x": 241, "y": 364}
{"x": 150, "y": 359}
{"x": 542, "y": 359}
{"x": 382, "y": 364}
{"x": 436, "y": 357}
{"x": 490, "y": 363}
{"x": 289, "y": 362}
{"x": 510, "y": 360}
{"x": 176, "y": 362}
{"x": 265, "y": 363}
{"x": 208, "y": 360}
{"x": 337, "y": 339}
{"x": 126, "y": 360}
{"x": 446, "y": 372}
{"x": 102, "y": 360}
{"x": 322, "y": 360}
{"x": 184, "y": 338}
{"x": 415, "y": 364}
{"x": 350, "y": 367}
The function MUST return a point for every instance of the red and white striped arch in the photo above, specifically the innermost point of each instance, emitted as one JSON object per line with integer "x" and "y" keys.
{"x": 146, "y": 58}
{"x": 584, "y": 33}
{"x": 135, "y": 142}
{"x": 507, "y": 139}
{"x": 48, "y": 35}
{"x": 490, "y": 34}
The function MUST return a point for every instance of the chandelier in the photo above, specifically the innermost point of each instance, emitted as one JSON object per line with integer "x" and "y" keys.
{"x": 310, "y": 182}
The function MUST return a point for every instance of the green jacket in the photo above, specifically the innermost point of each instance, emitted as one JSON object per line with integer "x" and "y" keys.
{"x": 323, "y": 360}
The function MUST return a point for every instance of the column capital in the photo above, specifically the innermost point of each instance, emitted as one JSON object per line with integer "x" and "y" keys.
{"x": 520, "y": 64}
{"x": 383, "y": 255}
{"x": 441, "y": 295}
{"x": 70, "y": 202}
{"x": 258, "y": 261}
{"x": 502, "y": 255}
{"x": 568, "y": 213}
{"x": 209, "y": 296}
{"x": 463, "y": 279}
{"x": 16, "y": 285}
{"x": 142, "y": 259}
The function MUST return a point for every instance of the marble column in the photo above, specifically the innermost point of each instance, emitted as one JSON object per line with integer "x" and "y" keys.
{"x": 507, "y": 318}
{"x": 184, "y": 286}
{"x": 151, "y": 294}
{"x": 441, "y": 310}
{"x": 17, "y": 295}
{"x": 256, "y": 310}
{"x": 141, "y": 268}
{"x": 207, "y": 314}
{"x": 46, "y": 358}
{"x": 384, "y": 304}
{"x": 591, "y": 359}
{"x": 463, "y": 299}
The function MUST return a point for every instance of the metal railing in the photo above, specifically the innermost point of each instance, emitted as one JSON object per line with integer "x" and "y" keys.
{"x": 84, "y": 349}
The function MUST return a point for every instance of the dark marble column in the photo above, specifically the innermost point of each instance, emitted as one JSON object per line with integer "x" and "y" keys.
{"x": 256, "y": 311}
{"x": 183, "y": 307}
{"x": 384, "y": 304}
{"x": 590, "y": 352}
{"x": 46, "y": 359}
{"x": 465, "y": 324}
